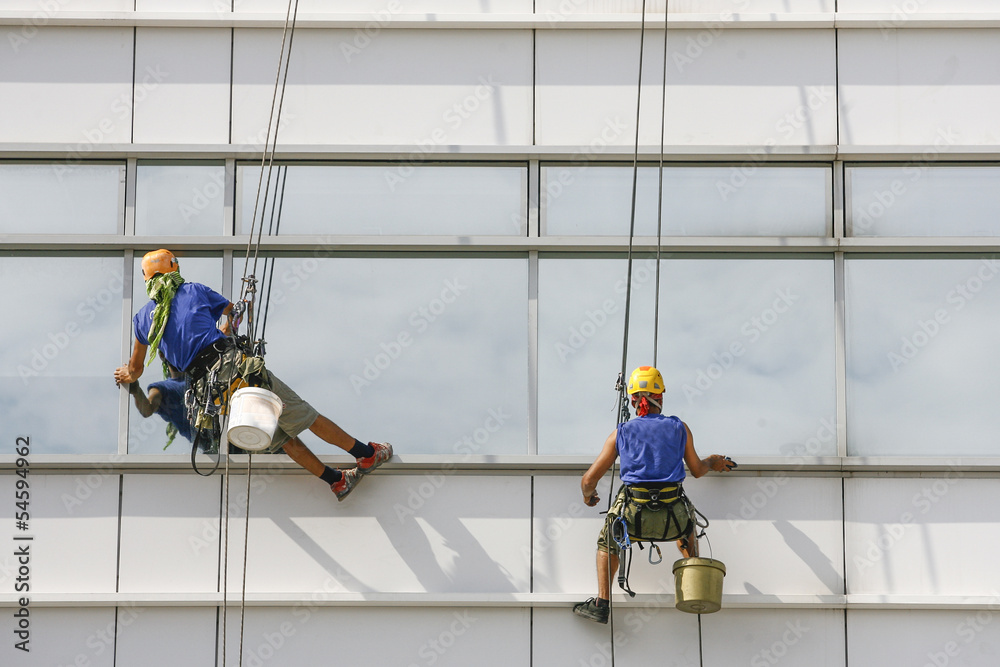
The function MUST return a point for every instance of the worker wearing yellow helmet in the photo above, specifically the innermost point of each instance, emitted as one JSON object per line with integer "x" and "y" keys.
{"x": 653, "y": 449}
{"x": 180, "y": 322}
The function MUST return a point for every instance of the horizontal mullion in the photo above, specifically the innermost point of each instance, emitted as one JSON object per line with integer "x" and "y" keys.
{"x": 407, "y": 464}
{"x": 374, "y": 22}
{"x": 501, "y": 600}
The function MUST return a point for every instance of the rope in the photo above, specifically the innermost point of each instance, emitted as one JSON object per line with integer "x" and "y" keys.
{"x": 246, "y": 544}
{"x": 268, "y": 156}
{"x": 248, "y": 288}
{"x": 623, "y": 413}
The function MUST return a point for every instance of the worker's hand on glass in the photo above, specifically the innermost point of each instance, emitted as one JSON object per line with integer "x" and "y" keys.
{"x": 719, "y": 463}
{"x": 123, "y": 376}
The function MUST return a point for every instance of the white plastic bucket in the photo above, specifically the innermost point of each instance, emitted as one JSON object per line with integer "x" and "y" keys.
{"x": 253, "y": 417}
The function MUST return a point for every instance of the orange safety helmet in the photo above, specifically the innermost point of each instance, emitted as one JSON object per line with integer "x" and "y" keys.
{"x": 158, "y": 261}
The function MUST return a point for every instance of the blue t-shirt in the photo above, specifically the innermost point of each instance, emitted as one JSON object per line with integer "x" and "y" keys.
{"x": 192, "y": 324}
{"x": 172, "y": 404}
{"x": 651, "y": 449}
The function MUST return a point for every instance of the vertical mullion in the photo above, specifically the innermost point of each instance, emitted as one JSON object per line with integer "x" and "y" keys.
{"x": 128, "y": 255}
{"x": 533, "y": 352}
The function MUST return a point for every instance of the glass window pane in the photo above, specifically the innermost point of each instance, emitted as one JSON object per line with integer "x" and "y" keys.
{"x": 180, "y": 199}
{"x": 917, "y": 200}
{"x": 922, "y": 357}
{"x": 386, "y": 199}
{"x": 148, "y": 436}
{"x": 742, "y": 200}
{"x": 62, "y": 342}
{"x": 427, "y": 353}
{"x": 59, "y": 198}
{"x": 746, "y": 347}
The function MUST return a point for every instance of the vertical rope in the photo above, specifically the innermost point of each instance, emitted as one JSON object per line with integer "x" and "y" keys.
{"x": 659, "y": 189}
{"x": 246, "y": 544}
{"x": 225, "y": 553}
{"x": 268, "y": 156}
{"x": 622, "y": 404}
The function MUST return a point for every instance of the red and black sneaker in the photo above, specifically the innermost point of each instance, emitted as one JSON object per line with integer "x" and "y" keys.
{"x": 383, "y": 452}
{"x": 347, "y": 483}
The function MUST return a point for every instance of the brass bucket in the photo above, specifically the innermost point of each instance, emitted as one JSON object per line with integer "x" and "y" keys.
{"x": 698, "y": 583}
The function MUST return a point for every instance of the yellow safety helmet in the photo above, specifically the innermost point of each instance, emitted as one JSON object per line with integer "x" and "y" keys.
{"x": 645, "y": 378}
{"x": 158, "y": 261}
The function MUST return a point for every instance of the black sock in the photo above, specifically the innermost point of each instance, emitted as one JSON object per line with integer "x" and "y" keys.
{"x": 331, "y": 475}
{"x": 601, "y": 602}
{"x": 361, "y": 451}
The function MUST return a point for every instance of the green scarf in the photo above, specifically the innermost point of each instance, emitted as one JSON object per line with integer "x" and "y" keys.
{"x": 161, "y": 288}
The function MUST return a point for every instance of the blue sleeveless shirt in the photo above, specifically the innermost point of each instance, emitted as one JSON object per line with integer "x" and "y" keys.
{"x": 191, "y": 325}
{"x": 651, "y": 449}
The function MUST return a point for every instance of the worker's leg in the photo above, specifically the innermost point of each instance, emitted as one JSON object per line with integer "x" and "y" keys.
{"x": 331, "y": 433}
{"x": 607, "y": 567}
{"x": 304, "y": 457}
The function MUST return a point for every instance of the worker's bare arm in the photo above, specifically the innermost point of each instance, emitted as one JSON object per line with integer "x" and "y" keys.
{"x": 132, "y": 371}
{"x": 227, "y": 326}
{"x": 598, "y": 468}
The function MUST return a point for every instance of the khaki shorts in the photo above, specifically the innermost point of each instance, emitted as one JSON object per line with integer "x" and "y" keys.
{"x": 296, "y": 415}
{"x": 661, "y": 522}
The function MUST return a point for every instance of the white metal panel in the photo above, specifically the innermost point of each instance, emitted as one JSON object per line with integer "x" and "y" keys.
{"x": 182, "y": 85}
{"x": 791, "y": 638}
{"x": 74, "y": 525}
{"x": 69, "y": 85}
{"x": 778, "y": 535}
{"x": 45, "y": 10}
{"x": 900, "y": 11}
{"x": 876, "y": 638}
{"x": 564, "y": 543}
{"x": 401, "y": 636}
{"x": 436, "y": 533}
{"x": 922, "y": 536}
{"x": 166, "y": 637}
{"x": 430, "y": 88}
{"x": 383, "y": 11}
{"x": 67, "y": 637}
{"x": 216, "y": 7}
{"x": 650, "y": 634}
{"x": 555, "y": 9}
{"x": 170, "y": 533}
{"x": 919, "y": 87}
{"x": 739, "y": 87}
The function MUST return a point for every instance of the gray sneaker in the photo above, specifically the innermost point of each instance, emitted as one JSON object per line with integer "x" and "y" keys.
{"x": 347, "y": 483}
{"x": 592, "y": 611}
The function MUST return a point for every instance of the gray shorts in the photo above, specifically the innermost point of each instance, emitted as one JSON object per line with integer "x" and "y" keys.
{"x": 296, "y": 415}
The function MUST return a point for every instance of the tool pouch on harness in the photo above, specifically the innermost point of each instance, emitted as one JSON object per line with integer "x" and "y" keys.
{"x": 656, "y": 513}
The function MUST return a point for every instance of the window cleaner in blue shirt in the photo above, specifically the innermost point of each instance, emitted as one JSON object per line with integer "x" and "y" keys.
{"x": 653, "y": 449}
{"x": 181, "y": 320}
